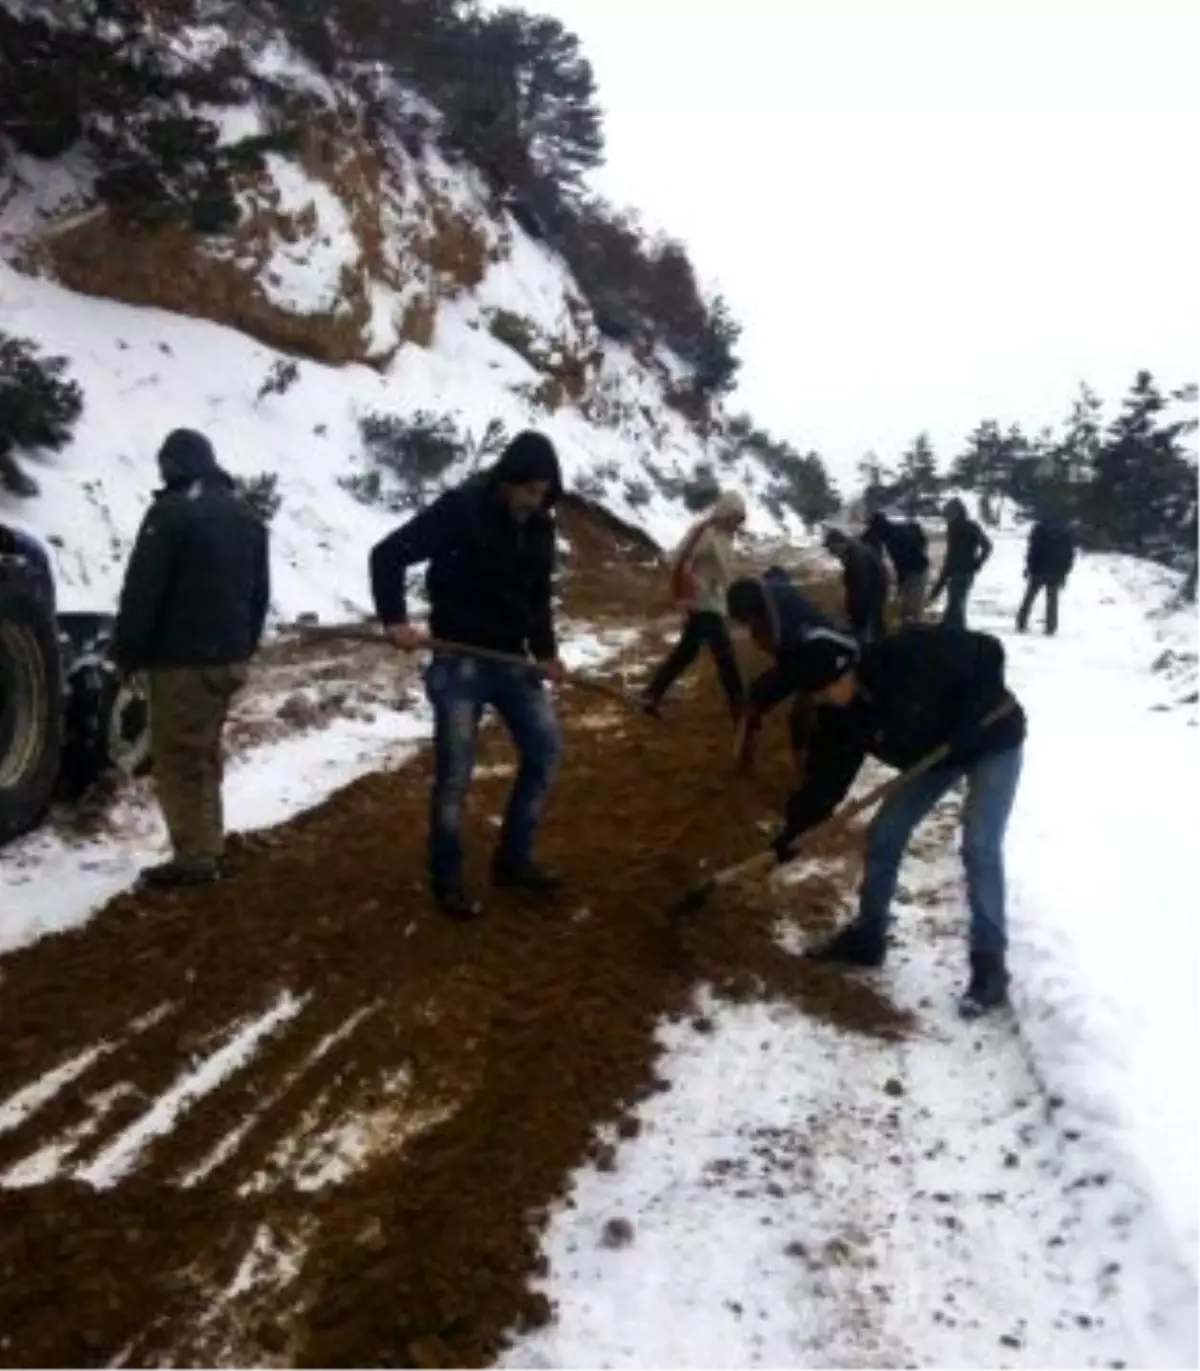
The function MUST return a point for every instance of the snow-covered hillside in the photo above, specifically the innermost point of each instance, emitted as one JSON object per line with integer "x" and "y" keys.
{"x": 395, "y": 282}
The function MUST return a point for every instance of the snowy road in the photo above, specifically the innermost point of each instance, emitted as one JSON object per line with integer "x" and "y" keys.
{"x": 973, "y": 1195}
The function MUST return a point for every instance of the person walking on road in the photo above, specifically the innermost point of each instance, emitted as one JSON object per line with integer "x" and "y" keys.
{"x": 907, "y": 549}
{"x": 700, "y": 572}
{"x": 191, "y": 615}
{"x": 967, "y": 549}
{"x": 490, "y": 546}
{"x": 1049, "y": 557}
{"x": 865, "y": 581}
{"x": 898, "y": 700}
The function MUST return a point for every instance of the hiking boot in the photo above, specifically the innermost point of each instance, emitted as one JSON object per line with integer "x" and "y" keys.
{"x": 988, "y": 987}
{"x": 455, "y": 903}
{"x": 175, "y": 875}
{"x": 526, "y": 876}
{"x": 855, "y": 945}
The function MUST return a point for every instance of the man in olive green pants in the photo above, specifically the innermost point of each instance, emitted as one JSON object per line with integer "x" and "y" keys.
{"x": 188, "y": 709}
{"x": 192, "y": 613}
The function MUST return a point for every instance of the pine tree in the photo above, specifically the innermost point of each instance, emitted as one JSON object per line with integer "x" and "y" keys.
{"x": 918, "y": 479}
{"x": 988, "y": 465}
{"x": 1144, "y": 487}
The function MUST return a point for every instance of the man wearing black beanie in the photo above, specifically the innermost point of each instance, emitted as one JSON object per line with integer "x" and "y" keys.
{"x": 490, "y": 546}
{"x": 898, "y": 700}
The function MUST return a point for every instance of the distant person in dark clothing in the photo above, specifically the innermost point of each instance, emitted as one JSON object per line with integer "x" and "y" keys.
{"x": 490, "y": 545}
{"x": 907, "y": 548}
{"x": 779, "y": 617}
{"x": 898, "y": 701}
{"x": 865, "y": 580}
{"x": 1187, "y": 591}
{"x": 1048, "y": 561}
{"x": 191, "y": 616}
{"x": 967, "y": 549}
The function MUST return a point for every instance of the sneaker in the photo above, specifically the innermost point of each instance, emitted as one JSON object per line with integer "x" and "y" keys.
{"x": 853, "y": 946}
{"x": 175, "y": 875}
{"x": 526, "y": 876}
{"x": 988, "y": 987}
{"x": 457, "y": 904}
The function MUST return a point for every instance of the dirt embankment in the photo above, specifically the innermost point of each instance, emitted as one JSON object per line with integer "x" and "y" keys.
{"x": 369, "y": 1187}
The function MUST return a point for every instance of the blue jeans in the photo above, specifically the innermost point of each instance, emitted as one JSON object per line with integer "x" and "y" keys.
{"x": 958, "y": 587}
{"x": 991, "y": 786}
{"x": 460, "y": 688}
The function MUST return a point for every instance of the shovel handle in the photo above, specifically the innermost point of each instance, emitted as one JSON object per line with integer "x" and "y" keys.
{"x": 361, "y": 633}
{"x": 762, "y": 862}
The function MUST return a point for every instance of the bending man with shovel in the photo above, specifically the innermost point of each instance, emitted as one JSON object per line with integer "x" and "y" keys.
{"x": 932, "y": 703}
{"x": 490, "y": 545}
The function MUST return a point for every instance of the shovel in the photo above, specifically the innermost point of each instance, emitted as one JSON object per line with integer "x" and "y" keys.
{"x": 356, "y": 633}
{"x": 694, "y": 899}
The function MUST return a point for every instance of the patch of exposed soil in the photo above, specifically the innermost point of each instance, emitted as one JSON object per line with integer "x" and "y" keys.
{"x": 443, "y": 1079}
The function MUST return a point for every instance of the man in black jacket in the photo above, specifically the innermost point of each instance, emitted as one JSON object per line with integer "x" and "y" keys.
{"x": 191, "y": 615}
{"x": 490, "y": 545}
{"x": 865, "y": 581}
{"x": 904, "y": 697}
{"x": 967, "y": 548}
{"x": 1048, "y": 561}
{"x": 1049, "y": 558}
{"x": 907, "y": 548}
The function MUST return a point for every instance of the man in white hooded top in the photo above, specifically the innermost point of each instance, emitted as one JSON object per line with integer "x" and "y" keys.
{"x": 701, "y": 570}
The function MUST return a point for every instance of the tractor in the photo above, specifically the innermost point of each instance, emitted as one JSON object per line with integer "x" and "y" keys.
{"x": 67, "y": 719}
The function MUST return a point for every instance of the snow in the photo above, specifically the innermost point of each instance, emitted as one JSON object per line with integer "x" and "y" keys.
{"x": 306, "y": 277}
{"x": 266, "y": 787}
{"x": 121, "y": 1155}
{"x": 1017, "y": 1192}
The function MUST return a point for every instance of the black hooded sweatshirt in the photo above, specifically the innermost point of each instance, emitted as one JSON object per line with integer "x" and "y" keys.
{"x": 197, "y": 587}
{"x": 921, "y": 687}
{"x": 490, "y": 578}
{"x": 905, "y": 544}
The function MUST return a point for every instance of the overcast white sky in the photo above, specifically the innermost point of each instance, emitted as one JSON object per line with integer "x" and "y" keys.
{"x": 924, "y": 212}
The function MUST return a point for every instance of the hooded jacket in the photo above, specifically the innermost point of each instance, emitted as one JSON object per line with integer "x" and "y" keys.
{"x": 197, "y": 587}
{"x": 1051, "y": 551}
{"x": 490, "y": 578}
{"x": 705, "y": 558}
{"x": 792, "y": 620}
{"x": 967, "y": 548}
{"x": 905, "y": 545}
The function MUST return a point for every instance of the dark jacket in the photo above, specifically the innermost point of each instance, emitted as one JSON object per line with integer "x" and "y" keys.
{"x": 967, "y": 548}
{"x": 865, "y": 580}
{"x": 197, "y": 587}
{"x": 793, "y": 617}
{"x": 490, "y": 578}
{"x": 1051, "y": 551}
{"x": 921, "y": 687}
{"x": 905, "y": 544}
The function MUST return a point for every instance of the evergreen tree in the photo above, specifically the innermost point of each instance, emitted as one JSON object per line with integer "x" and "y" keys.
{"x": 1144, "y": 487}
{"x": 1075, "y": 453}
{"x": 988, "y": 465}
{"x": 918, "y": 479}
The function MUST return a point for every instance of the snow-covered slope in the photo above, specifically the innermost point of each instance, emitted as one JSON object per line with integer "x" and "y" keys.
{"x": 394, "y": 281}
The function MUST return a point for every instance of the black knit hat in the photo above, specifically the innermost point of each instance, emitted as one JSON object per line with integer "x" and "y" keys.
{"x": 529, "y": 457}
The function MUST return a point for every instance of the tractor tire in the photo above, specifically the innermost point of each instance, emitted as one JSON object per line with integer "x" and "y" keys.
{"x": 107, "y": 724}
{"x": 31, "y": 725}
